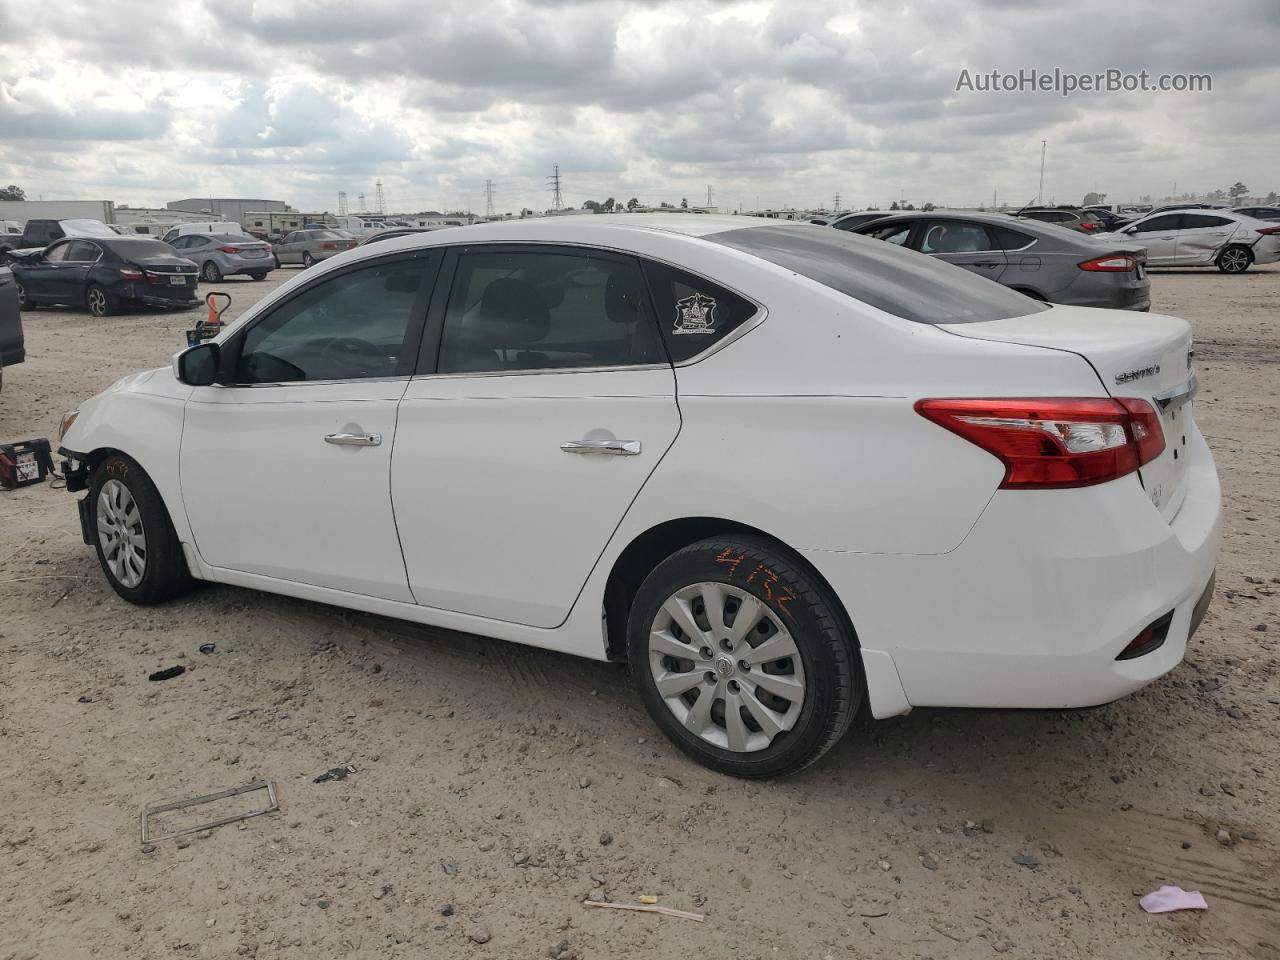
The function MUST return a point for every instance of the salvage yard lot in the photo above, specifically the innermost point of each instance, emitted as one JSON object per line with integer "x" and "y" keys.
{"x": 495, "y": 787}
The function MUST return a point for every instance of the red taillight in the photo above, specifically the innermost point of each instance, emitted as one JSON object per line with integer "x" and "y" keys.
{"x": 1269, "y": 231}
{"x": 1088, "y": 225}
{"x": 131, "y": 273}
{"x": 1052, "y": 442}
{"x": 232, "y": 249}
{"x": 1117, "y": 263}
{"x": 328, "y": 246}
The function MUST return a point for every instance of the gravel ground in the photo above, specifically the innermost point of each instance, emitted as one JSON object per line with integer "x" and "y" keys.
{"x": 496, "y": 787}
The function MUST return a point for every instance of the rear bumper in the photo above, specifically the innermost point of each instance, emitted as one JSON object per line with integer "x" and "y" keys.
{"x": 157, "y": 295}
{"x": 1032, "y": 609}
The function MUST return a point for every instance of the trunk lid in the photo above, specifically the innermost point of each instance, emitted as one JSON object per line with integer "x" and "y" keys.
{"x": 1147, "y": 356}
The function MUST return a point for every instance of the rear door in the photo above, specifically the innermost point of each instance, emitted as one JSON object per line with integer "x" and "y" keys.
{"x": 966, "y": 244}
{"x": 550, "y": 403}
{"x": 1159, "y": 234}
{"x": 1201, "y": 236}
{"x": 72, "y": 276}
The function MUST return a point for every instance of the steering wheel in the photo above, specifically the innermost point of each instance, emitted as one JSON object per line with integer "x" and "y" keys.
{"x": 347, "y": 348}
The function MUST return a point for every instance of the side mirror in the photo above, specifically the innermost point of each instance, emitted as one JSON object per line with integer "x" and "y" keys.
{"x": 198, "y": 366}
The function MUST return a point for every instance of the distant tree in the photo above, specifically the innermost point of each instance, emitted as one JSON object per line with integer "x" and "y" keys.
{"x": 684, "y": 203}
{"x": 927, "y": 207}
{"x": 1091, "y": 198}
{"x": 1145, "y": 198}
{"x": 12, "y": 192}
{"x": 1271, "y": 198}
{"x": 1217, "y": 195}
{"x": 592, "y": 205}
{"x": 894, "y": 206}
{"x": 632, "y": 203}
{"x": 665, "y": 205}
{"x": 1237, "y": 190}
{"x": 908, "y": 206}
{"x": 608, "y": 205}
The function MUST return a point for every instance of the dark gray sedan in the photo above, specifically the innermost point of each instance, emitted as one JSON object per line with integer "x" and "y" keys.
{"x": 309, "y": 246}
{"x": 1041, "y": 260}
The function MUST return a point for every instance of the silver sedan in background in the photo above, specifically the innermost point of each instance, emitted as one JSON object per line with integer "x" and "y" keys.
{"x": 1041, "y": 260}
{"x": 309, "y": 246}
{"x": 221, "y": 255}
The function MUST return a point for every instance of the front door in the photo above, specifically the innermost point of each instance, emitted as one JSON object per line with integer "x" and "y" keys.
{"x": 552, "y": 403}
{"x": 1159, "y": 235}
{"x": 286, "y": 468}
{"x": 40, "y": 278}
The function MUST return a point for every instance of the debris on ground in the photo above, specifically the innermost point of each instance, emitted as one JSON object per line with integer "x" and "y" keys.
{"x": 1168, "y": 899}
{"x": 647, "y": 908}
{"x": 206, "y": 648}
{"x": 168, "y": 673}
{"x": 335, "y": 773}
{"x": 1029, "y": 860}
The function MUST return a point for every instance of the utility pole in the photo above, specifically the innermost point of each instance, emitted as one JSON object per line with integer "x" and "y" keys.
{"x": 557, "y": 198}
{"x": 488, "y": 198}
{"x": 1040, "y": 192}
{"x": 381, "y": 200}
{"x": 835, "y": 205}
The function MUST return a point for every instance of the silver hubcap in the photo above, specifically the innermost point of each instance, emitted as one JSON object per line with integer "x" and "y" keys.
{"x": 210, "y": 272}
{"x": 726, "y": 667}
{"x": 120, "y": 532}
{"x": 22, "y": 295}
{"x": 97, "y": 302}
{"x": 1234, "y": 260}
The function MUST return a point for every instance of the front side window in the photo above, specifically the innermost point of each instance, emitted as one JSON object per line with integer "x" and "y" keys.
{"x": 512, "y": 311}
{"x": 357, "y": 325}
{"x": 58, "y": 254}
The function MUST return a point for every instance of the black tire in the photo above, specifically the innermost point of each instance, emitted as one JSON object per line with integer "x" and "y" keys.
{"x": 275, "y": 260}
{"x": 210, "y": 272}
{"x": 101, "y": 301}
{"x": 1235, "y": 259}
{"x": 833, "y": 683}
{"x": 307, "y": 260}
{"x": 164, "y": 574}
{"x": 257, "y": 274}
{"x": 24, "y": 299}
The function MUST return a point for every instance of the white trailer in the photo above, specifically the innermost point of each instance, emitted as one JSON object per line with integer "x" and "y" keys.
{"x": 24, "y": 210}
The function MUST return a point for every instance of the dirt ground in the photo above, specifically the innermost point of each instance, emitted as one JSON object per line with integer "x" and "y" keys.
{"x": 496, "y": 787}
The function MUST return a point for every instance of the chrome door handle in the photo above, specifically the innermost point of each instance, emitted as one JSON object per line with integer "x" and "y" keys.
{"x": 615, "y": 448}
{"x": 354, "y": 439}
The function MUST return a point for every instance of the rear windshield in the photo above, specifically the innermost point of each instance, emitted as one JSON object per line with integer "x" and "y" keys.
{"x": 904, "y": 283}
{"x": 140, "y": 248}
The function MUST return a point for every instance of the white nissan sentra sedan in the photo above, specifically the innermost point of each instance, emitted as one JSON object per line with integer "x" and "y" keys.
{"x": 797, "y": 470}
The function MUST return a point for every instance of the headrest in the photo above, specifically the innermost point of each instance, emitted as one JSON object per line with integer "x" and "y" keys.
{"x": 623, "y": 295}
{"x": 936, "y": 238}
{"x": 512, "y": 314}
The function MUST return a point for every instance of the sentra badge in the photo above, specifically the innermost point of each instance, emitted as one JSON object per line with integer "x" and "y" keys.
{"x": 695, "y": 314}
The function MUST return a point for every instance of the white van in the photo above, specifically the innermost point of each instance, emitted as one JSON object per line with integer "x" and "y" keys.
{"x": 360, "y": 226}
{"x": 208, "y": 226}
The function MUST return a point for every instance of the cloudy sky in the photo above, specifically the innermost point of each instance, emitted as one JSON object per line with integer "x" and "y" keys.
{"x": 776, "y": 103}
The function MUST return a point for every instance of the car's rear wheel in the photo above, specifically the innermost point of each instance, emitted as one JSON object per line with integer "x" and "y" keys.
{"x": 307, "y": 259}
{"x": 101, "y": 301}
{"x": 743, "y": 658}
{"x": 134, "y": 537}
{"x": 24, "y": 299}
{"x": 257, "y": 274}
{"x": 210, "y": 272}
{"x": 1235, "y": 259}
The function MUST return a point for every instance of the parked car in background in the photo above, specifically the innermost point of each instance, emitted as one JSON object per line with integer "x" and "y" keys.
{"x": 1203, "y": 238}
{"x": 360, "y": 226}
{"x": 311, "y": 246}
{"x": 209, "y": 226}
{"x": 554, "y": 447}
{"x": 851, "y": 221}
{"x": 1110, "y": 219}
{"x": 1073, "y": 218}
{"x": 1259, "y": 213}
{"x": 221, "y": 255}
{"x": 1033, "y": 258}
{"x": 105, "y": 274}
{"x": 38, "y": 234}
{"x": 1165, "y": 208}
{"x": 396, "y": 232}
{"x": 10, "y": 228}
{"x": 12, "y": 346}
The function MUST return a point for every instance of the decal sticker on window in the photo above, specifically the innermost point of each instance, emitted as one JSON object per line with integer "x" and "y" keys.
{"x": 695, "y": 314}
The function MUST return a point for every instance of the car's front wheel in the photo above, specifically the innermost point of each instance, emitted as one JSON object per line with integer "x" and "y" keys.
{"x": 134, "y": 537}
{"x": 101, "y": 301}
{"x": 743, "y": 658}
{"x": 1235, "y": 259}
{"x": 24, "y": 299}
{"x": 210, "y": 272}
{"x": 307, "y": 260}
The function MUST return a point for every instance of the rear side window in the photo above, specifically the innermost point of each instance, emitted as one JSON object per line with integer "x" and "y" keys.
{"x": 694, "y": 314}
{"x": 1191, "y": 221}
{"x": 1007, "y": 239}
{"x": 904, "y": 283}
{"x": 1168, "y": 221}
{"x": 546, "y": 311}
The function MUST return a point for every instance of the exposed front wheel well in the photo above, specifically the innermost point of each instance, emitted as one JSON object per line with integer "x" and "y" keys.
{"x": 653, "y": 546}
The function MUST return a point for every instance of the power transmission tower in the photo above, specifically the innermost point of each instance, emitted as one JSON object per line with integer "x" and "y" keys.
{"x": 380, "y": 201}
{"x": 835, "y": 205}
{"x": 557, "y": 198}
{"x": 342, "y": 203}
{"x": 709, "y": 191}
{"x": 488, "y": 198}
{"x": 363, "y": 206}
